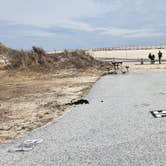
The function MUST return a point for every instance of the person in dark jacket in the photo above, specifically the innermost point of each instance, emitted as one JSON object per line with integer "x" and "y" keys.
{"x": 160, "y": 54}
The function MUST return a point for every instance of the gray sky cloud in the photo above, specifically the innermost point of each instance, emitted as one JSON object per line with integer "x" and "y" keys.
{"x": 108, "y": 21}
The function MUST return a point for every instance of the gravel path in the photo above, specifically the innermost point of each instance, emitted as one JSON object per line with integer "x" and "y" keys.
{"x": 115, "y": 129}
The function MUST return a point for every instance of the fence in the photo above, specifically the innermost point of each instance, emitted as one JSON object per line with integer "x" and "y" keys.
{"x": 128, "y": 48}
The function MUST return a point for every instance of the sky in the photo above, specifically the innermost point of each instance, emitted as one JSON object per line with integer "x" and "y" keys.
{"x": 72, "y": 24}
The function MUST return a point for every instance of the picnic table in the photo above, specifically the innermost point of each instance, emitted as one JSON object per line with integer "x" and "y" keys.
{"x": 117, "y": 65}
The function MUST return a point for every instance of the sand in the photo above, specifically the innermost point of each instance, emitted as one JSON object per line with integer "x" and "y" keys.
{"x": 135, "y": 55}
{"x": 30, "y": 100}
{"x": 130, "y": 54}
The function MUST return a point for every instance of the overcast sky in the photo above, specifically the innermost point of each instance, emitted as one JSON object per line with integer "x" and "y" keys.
{"x": 60, "y": 24}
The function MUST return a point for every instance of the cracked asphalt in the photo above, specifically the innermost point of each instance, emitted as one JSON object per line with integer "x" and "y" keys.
{"x": 115, "y": 129}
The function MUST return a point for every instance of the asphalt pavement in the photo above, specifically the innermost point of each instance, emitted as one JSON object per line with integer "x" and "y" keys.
{"x": 116, "y": 128}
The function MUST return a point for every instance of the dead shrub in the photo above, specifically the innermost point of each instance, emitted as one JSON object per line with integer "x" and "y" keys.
{"x": 27, "y": 59}
{"x": 38, "y": 59}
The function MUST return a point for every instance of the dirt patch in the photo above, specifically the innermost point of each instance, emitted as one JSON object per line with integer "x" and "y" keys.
{"x": 30, "y": 100}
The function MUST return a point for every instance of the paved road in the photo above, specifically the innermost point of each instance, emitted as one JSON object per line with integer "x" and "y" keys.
{"x": 117, "y": 132}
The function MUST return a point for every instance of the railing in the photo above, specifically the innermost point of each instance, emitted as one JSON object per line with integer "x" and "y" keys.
{"x": 129, "y": 48}
{"x": 126, "y": 59}
{"x": 114, "y": 48}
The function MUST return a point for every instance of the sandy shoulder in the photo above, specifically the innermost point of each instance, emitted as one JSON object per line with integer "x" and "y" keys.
{"x": 31, "y": 100}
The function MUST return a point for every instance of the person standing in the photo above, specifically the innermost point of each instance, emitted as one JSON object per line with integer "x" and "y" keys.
{"x": 160, "y": 56}
{"x": 150, "y": 57}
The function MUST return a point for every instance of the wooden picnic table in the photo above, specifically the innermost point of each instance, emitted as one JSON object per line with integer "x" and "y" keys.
{"x": 117, "y": 65}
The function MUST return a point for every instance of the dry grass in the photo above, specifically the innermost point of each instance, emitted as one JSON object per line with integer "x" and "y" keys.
{"x": 37, "y": 60}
